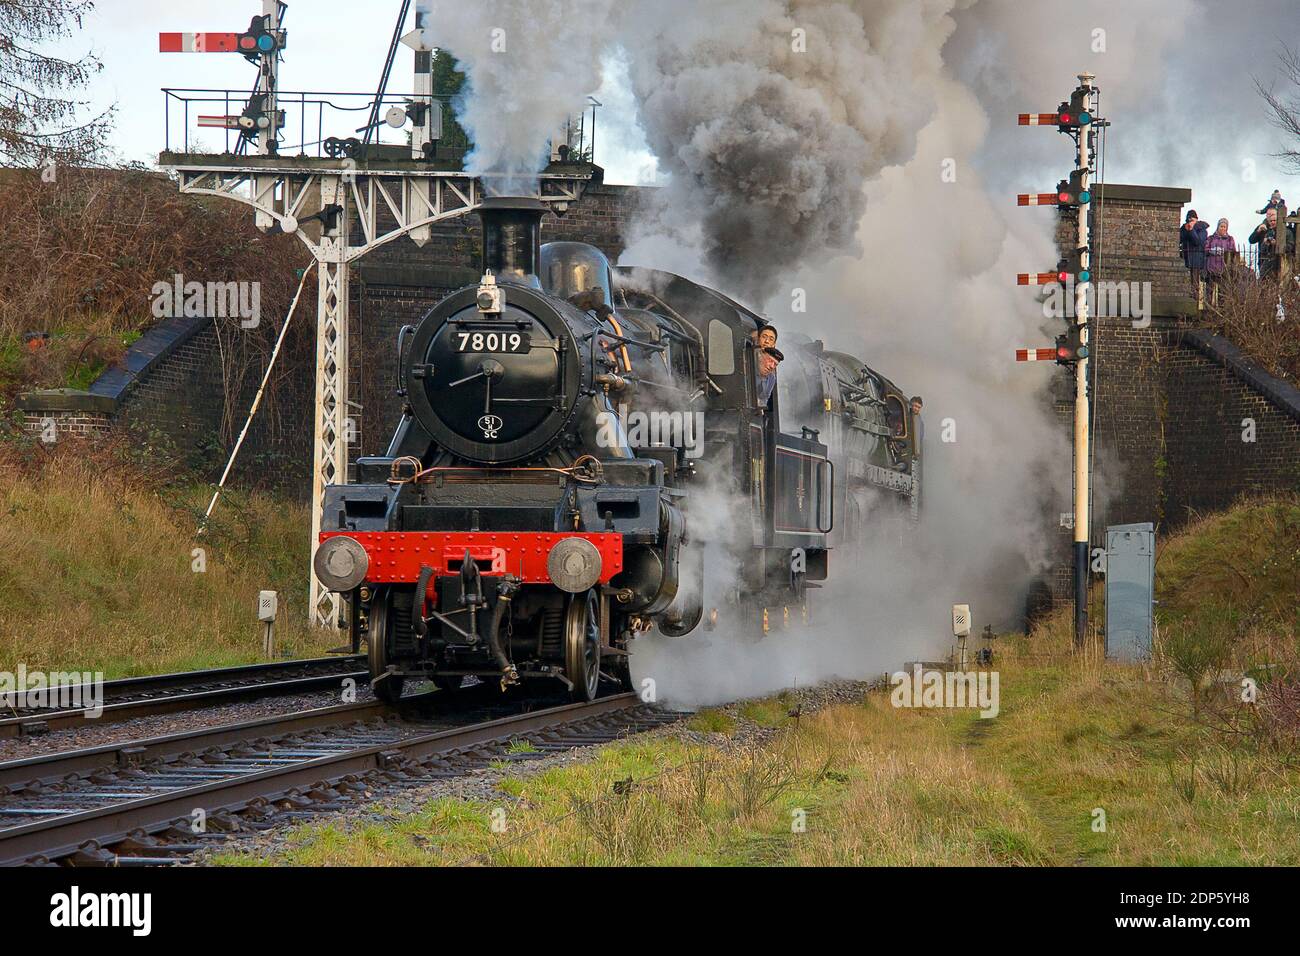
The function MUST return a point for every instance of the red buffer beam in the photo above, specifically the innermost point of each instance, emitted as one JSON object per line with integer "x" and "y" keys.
{"x": 198, "y": 43}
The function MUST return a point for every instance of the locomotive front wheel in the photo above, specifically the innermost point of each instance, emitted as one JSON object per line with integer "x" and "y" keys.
{"x": 582, "y": 645}
{"x": 389, "y": 689}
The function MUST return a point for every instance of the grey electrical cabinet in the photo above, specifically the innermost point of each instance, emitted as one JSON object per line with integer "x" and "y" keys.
{"x": 1130, "y": 590}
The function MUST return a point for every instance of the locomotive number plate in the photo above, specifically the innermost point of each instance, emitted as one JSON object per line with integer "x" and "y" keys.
{"x": 492, "y": 342}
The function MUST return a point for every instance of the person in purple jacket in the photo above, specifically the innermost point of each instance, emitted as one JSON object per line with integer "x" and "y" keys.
{"x": 1220, "y": 250}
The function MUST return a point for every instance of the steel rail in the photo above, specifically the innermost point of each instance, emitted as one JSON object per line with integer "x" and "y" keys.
{"x": 62, "y": 836}
{"x": 250, "y": 687}
{"x": 53, "y": 767}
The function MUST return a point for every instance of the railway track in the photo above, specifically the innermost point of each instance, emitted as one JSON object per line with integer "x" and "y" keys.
{"x": 158, "y": 801}
{"x": 166, "y": 693}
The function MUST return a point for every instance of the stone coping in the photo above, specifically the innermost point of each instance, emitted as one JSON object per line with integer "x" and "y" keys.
{"x": 65, "y": 400}
{"x": 107, "y": 391}
{"x": 1177, "y": 195}
{"x": 1281, "y": 393}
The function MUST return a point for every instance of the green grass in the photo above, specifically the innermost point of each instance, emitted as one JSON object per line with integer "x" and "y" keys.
{"x": 1077, "y": 743}
{"x": 103, "y": 572}
{"x": 712, "y": 720}
{"x": 768, "y": 712}
{"x": 1247, "y": 558}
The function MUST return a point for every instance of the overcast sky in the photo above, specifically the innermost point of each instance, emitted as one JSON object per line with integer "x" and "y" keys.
{"x": 334, "y": 45}
{"x": 340, "y": 45}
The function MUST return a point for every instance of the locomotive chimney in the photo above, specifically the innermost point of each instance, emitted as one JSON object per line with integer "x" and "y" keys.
{"x": 512, "y": 227}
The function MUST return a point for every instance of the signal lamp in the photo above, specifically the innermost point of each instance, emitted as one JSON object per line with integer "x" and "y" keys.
{"x": 1070, "y": 348}
{"x": 1072, "y": 192}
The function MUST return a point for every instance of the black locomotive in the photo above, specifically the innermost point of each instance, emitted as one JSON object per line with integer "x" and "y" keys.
{"x": 574, "y": 437}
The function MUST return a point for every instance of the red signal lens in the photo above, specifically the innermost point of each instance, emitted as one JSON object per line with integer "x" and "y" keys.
{"x": 247, "y": 42}
{"x": 1063, "y": 197}
{"x": 1065, "y": 117}
{"x": 1062, "y": 276}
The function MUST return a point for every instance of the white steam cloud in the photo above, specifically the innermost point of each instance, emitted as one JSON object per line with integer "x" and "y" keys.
{"x": 928, "y": 298}
{"x": 864, "y": 153}
{"x": 528, "y": 66}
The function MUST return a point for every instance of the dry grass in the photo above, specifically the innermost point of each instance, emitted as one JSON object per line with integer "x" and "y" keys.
{"x": 1078, "y": 743}
{"x": 1245, "y": 311}
{"x": 81, "y": 255}
{"x": 99, "y": 570}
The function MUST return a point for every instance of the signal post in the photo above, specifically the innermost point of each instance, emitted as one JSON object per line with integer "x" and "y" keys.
{"x": 1077, "y": 119}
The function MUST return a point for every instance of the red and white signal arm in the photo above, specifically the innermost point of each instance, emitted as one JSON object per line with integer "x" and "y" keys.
{"x": 198, "y": 43}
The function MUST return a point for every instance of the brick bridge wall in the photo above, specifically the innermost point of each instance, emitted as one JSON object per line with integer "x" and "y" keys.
{"x": 169, "y": 394}
{"x": 172, "y": 391}
{"x": 1169, "y": 401}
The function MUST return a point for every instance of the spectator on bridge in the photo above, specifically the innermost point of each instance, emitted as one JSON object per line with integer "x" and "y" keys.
{"x": 1274, "y": 201}
{"x": 1191, "y": 243}
{"x": 1265, "y": 236}
{"x": 1191, "y": 240}
{"x": 1220, "y": 250}
{"x": 768, "y": 360}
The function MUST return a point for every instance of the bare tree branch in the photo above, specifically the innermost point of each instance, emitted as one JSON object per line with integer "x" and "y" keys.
{"x": 40, "y": 116}
{"x": 1285, "y": 108}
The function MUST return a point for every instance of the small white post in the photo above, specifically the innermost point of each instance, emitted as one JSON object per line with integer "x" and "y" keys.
{"x": 961, "y": 630}
{"x": 268, "y": 603}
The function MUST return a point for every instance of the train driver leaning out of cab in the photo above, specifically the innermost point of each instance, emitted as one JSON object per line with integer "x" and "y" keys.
{"x": 766, "y": 337}
{"x": 768, "y": 360}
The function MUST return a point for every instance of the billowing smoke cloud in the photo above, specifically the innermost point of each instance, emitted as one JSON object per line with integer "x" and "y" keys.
{"x": 771, "y": 116}
{"x": 931, "y": 303}
{"x": 863, "y": 154}
{"x": 928, "y": 298}
{"x": 529, "y": 67}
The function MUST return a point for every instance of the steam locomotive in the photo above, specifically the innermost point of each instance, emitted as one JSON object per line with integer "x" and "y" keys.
{"x": 576, "y": 442}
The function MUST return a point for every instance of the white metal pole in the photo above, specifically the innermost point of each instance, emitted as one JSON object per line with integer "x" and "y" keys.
{"x": 1081, "y": 422}
{"x": 330, "y": 456}
{"x": 270, "y": 81}
{"x": 421, "y": 133}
